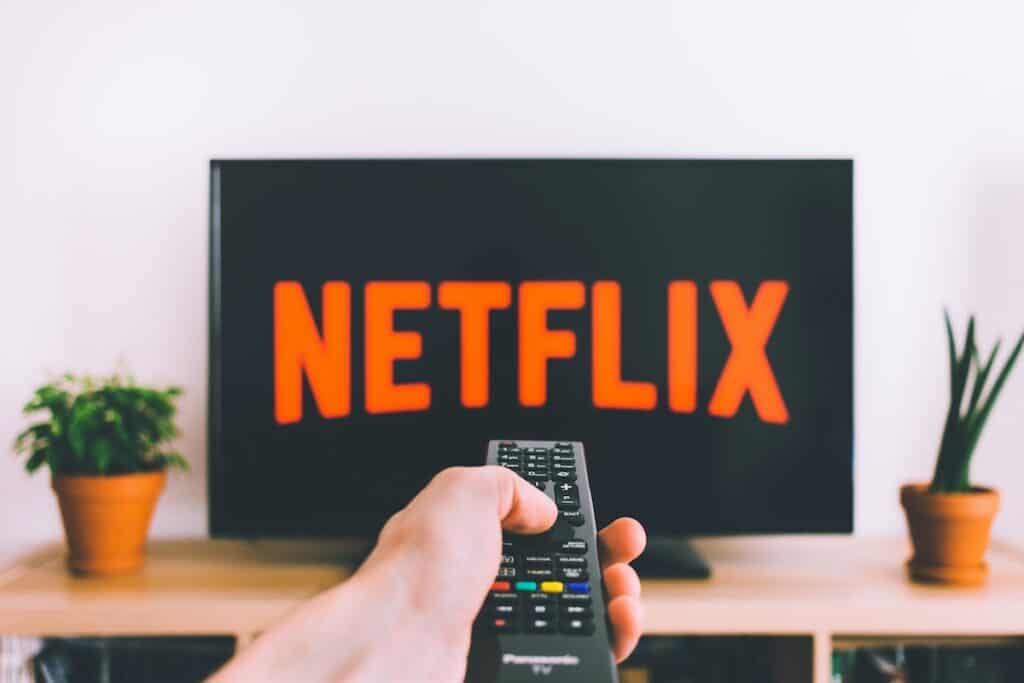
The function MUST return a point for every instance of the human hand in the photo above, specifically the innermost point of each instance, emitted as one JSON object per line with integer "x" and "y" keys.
{"x": 407, "y": 614}
{"x": 451, "y": 534}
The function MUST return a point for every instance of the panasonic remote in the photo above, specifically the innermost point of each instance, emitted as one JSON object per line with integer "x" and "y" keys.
{"x": 544, "y": 617}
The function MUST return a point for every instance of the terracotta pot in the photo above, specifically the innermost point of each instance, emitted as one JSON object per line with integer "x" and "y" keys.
{"x": 106, "y": 519}
{"x": 950, "y": 533}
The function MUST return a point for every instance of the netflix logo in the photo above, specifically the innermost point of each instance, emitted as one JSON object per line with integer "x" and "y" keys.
{"x": 324, "y": 355}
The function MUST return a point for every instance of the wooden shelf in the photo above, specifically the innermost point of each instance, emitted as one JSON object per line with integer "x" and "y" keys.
{"x": 834, "y": 584}
{"x": 187, "y": 587}
{"x": 829, "y": 588}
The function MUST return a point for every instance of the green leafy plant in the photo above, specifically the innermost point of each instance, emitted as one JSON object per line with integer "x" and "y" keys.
{"x": 103, "y": 426}
{"x": 964, "y": 423}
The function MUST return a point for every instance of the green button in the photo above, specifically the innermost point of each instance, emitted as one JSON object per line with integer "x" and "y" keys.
{"x": 526, "y": 585}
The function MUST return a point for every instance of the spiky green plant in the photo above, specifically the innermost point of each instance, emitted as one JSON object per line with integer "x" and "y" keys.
{"x": 102, "y": 426}
{"x": 964, "y": 423}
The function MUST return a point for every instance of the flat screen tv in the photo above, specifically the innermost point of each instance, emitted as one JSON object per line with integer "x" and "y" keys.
{"x": 374, "y": 321}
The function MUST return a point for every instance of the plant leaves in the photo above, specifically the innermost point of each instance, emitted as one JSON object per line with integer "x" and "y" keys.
{"x": 36, "y": 460}
{"x": 951, "y": 340}
{"x": 963, "y": 366}
{"x": 980, "y": 379}
{"x": 99, "y": 425}
{"x": 102, "y": 454}
{"x": 948, "y": 446}
{"x": 975, "y": 426}
{"x": 173, "y": 460}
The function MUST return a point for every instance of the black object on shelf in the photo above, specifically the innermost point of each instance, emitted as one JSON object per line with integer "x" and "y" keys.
{"x": 671, "y": 558}
{"x": 129, "y": 660}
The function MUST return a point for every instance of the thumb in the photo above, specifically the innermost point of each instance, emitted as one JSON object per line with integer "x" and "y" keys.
{"x": 522, "y": 508}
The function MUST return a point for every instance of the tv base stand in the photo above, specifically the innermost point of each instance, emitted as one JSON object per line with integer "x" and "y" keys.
{"x": 671, "y": 558}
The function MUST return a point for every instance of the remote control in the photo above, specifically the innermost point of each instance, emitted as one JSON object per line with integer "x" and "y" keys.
{"x": 544, "y": 617}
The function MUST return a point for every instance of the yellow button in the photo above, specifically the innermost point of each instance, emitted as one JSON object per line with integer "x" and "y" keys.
{"x": 551, "y": 587}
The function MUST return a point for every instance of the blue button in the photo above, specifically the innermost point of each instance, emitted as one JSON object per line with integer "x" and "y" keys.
{"x": 578, "y": 587}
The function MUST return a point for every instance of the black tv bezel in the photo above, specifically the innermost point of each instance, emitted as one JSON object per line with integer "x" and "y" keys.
{"x": 214, "y": 429}
{"x": 216, "y": 515}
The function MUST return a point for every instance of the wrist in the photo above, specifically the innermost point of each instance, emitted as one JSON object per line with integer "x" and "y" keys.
{"x": 419, "y": 596}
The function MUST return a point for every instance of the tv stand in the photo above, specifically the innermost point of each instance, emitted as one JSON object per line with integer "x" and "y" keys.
{"x": 812, "y": 596}
{"x": 671, "y": 558}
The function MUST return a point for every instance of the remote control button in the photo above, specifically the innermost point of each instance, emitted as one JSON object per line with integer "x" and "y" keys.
{"x": 552, "y": 587}
{"x": 502, "y": 625}
{"x": 572, "y": 561}
{"x": 564, "y": 475}
{"x": 563, "y": 444}
{"x": 573, "y": 574}
{"x": 538, "y": 560}
{"x": 577, "y": 612}
{"x": 539, "y": 573}
{"x": 567, "y": 503}
{"x": 527, "y": 586}
{"x": 581, "y": 627}
{"x": 541, "y": 598}
{"x": 508, "y": 560}
{"x": 501, "y": 586}
{"x": 514, "y": 468}
{"x": 506, "y": 573}
{"x": 578, "y": 587}
{"x": 538, "y": 484}
{"x": 575, "y": 599}
{"x": 564, "y": 466}
{"x": 576, "y": 546}
{"x": 540, "y": 625}
{"x": 509, "y": 460}
{"x": 563, "y": 458}
{"x": 505, "y": 596}
{"x": 537, "y": 450}
{"x": 566, "y": 492}
{"x": 536, "y": 475}
{"x": 573, "y": 518}
{"x": 506, "y": 444}
{"x": 541, "y": 610}
{"x": 505, "y": 609}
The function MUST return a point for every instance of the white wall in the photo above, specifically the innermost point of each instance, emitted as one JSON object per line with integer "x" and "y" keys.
{"x": 110, "y": 111}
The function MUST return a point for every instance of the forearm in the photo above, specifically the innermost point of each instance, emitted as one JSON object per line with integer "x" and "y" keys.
{"x": 344, "y": 634}
{"x": 407, "y": 614}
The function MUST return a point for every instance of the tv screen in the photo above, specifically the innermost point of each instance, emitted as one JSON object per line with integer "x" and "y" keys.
{"x": 375, "y": 321}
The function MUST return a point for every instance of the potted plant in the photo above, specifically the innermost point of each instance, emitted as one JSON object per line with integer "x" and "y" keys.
{"x": 104, "y": 441}
{"x": 951, "y": 518}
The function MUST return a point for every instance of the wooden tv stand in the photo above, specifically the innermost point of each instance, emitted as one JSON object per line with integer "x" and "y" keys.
{"x": 833, "y": 591}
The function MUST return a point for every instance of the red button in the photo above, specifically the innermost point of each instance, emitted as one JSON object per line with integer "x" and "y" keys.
{"x": 500, "y": 623}
{"x": 501, "y": 586}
